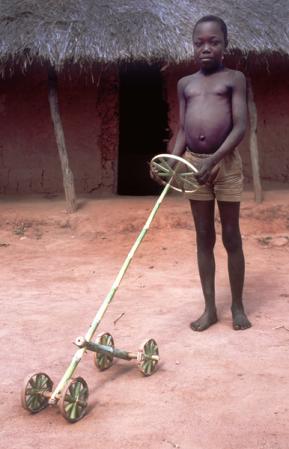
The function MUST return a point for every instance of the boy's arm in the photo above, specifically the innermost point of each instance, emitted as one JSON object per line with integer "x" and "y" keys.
{"x": 239, "y": 119}
{"x": 180, "y": 142}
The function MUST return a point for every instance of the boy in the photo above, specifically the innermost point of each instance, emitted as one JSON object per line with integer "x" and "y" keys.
{"x": 212, "y": 123}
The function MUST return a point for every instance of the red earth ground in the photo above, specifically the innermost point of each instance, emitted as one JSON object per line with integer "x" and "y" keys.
{"x": 219, "y": 389}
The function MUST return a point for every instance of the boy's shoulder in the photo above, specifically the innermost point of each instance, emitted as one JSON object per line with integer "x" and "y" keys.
{"x": 186, "y": 80}
{"x": 236, "y": 75}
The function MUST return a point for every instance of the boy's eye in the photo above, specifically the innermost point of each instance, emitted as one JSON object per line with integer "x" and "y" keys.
{"x": 198, "y": 44}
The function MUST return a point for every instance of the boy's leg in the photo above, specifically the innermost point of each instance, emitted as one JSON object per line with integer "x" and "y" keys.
{"x": 203, "y": 213}
{"x": 229, "y": 214}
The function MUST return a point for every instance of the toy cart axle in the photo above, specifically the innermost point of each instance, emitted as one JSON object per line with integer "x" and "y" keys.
{"x": 113, "y": 352}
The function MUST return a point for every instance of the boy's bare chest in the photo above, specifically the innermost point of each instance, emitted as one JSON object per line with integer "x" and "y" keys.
{"x": 217, "y": 87}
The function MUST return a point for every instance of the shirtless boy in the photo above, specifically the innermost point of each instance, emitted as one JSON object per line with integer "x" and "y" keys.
{"x": 212, "y": 123}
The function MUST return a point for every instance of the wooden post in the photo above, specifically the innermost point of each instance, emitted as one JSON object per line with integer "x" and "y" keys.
{"x": 254, "y": 145}
{"x": 68, "y": 181}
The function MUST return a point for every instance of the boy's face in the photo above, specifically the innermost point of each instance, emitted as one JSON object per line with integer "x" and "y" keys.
{"x": 209, "y": 45}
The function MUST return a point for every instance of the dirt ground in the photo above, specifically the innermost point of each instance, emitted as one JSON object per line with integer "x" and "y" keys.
{"x": 220, "y": 389}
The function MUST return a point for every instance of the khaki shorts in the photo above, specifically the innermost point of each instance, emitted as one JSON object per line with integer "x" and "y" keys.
{"x": 228, "y": 184}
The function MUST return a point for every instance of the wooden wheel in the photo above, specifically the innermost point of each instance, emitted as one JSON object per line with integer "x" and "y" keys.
{"x": 73, "y": 400}
{"x": 104, "y": 361}
{"x": 178, "y": 171}
{"x": 36, "y": 392}
{"x": 148, "y": 357}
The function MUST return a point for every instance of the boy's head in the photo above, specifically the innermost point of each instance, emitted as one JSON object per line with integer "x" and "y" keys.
{"x": 210, "y": 40}
{"x": 215, "y": 19}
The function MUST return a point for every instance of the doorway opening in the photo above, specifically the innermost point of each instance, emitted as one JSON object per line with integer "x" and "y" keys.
{"x": 143, "y": 128}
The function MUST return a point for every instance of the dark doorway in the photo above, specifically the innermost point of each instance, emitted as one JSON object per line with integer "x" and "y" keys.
{"x": 143, "y": 128}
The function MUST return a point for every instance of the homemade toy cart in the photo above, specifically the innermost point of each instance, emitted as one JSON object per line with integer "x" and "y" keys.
{"x": 71, "y": 393}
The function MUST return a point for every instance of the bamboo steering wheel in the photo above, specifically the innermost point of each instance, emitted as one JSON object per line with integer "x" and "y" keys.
{"x": 181, "y": 174}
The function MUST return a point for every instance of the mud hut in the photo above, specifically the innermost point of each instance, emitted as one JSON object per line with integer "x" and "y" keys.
{"x": 115, "y": 66}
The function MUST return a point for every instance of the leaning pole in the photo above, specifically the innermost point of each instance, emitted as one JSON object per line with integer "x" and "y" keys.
{"x": 67, "y": 175}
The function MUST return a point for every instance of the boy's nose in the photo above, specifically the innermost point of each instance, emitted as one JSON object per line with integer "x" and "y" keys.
{"x": 206, "y": 48}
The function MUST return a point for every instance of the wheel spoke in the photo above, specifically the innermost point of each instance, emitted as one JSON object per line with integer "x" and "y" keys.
{"x": 29, "y": 401}
{"x": 78, "y": 409}
{"x": 68, "y": 407}
{"x": 68, "y": 398}
{"x": 165, "y": 164}
{"x": 83, "y": 394}
{"x": 147, "y": 368}
{"x": 73, "y": 411}
{"x": 160, "y": 167}
{"x": 101, "y": 359}
{"x": 38, "y": 381}
{"x": 188, "y": 181}
{"x": 164, "y": 175}
{"x": 72, "y": 391}
{"x": 178, "y": 182}
{"x": 32, "y": 382}
{"x": 185, "y": 174}
{"x": 144, "y": 365}
{"x": 43, "y": 383}
{"x": 35, "y": 403}
{"x": 29, "y": 391}
{"x": 77, "y": 389}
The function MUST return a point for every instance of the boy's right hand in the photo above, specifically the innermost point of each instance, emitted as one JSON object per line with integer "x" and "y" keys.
{"x": 154, "y": 173}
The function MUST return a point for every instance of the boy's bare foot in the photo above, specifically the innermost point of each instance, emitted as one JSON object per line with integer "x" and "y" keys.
{"x": 240, "y": 320}
{"x": 206, "y": 320}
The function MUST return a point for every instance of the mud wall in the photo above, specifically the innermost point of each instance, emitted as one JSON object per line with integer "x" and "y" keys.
{"x": 271, "y": 91}
{"x": 29, "y": 161}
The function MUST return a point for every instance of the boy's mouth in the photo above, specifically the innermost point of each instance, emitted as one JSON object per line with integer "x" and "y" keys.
{"x": 206, "y": 61}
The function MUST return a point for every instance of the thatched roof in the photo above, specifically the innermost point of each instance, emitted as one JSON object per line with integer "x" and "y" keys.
{"x": 98, "y": 31}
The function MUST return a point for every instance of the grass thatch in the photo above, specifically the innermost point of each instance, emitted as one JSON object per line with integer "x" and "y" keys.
{"x": 98, "y": 31}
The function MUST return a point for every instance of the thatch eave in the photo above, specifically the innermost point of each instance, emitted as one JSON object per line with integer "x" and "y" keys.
{"x": 89, "y": 32}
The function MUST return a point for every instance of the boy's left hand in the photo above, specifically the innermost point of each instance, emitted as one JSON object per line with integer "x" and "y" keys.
{"x": 207, "y": 172}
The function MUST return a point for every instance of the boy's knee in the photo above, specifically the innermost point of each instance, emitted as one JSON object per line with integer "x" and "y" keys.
{"x": 232, "y": 240}
{"x": 206, "y": 240}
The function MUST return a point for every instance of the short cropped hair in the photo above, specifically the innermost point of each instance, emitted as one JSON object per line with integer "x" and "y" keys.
{"x": 211, "y": 18}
